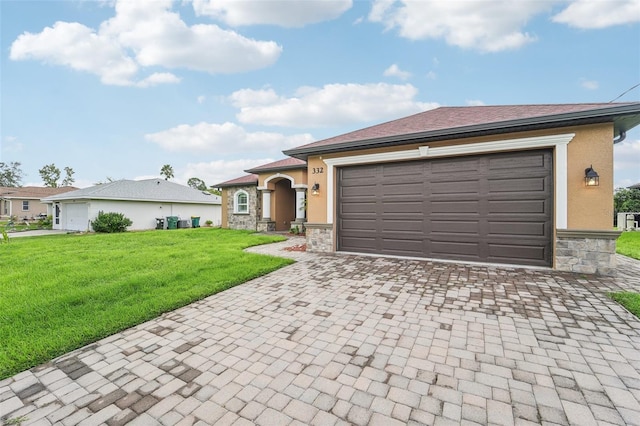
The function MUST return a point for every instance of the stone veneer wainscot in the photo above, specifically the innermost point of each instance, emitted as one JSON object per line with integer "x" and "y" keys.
{"x": 319, "y": 237}
{"x": 586, "y": 251}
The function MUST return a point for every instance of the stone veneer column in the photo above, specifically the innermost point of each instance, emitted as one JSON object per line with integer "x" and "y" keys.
{"x": 586, "y": 251}
{"x": 320, "y": 237}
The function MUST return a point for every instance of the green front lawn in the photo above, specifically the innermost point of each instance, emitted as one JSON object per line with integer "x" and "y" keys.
{"x": 629, "y": 300}
{"x": 629, "y": 244}
{"x": 61, "y": 292}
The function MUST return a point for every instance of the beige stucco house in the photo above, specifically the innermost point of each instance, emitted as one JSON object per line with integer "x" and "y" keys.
{"x": 519, "y": 185}
{"x": 24, "y": 202}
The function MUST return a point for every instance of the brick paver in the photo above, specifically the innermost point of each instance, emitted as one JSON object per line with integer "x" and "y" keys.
{"x": 343, "y": 339}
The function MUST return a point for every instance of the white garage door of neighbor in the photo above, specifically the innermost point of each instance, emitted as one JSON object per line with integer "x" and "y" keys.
{"x": 77, "y": 217}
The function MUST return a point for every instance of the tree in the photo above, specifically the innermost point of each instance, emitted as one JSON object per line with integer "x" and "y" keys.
{"x": 10, "y": 174}
{"x": 626, "y": 200}
{"x": 50, "y": 175}
{"x": 166, "y": 171}
{"x": 68, "y": 179}
{"x": 197, "y": 183}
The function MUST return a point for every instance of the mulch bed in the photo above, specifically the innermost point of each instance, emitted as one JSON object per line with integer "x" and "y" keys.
{"x": 299, "y": 247}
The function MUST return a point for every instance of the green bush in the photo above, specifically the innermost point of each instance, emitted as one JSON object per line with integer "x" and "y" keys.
{"x": 111, "y": 222}
{"x": 45, "y": 223}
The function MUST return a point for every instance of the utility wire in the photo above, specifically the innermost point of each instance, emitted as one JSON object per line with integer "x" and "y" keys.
{"x": 624, "y": 93}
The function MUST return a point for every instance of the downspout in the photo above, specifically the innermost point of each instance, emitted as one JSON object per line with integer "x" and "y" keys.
{"x": 621, "y": 137}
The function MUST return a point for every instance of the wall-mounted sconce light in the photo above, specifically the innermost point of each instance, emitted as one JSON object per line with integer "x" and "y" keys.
{"x": 591, "y": 177}
{"x": 315, "y": 189}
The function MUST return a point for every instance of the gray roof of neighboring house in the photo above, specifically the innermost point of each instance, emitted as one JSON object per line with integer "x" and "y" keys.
{"x": 157, "y": 190}
{"x": 636, "y": 186}
{"x": 461, "y": 122}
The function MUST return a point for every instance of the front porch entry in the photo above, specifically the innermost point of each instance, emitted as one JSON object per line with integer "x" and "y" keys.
{"x": 283, "y": 204}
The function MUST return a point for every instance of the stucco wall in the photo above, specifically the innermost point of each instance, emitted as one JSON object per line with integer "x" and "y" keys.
{"x": 77, "y": 216}
{"x": 590, "y": 207}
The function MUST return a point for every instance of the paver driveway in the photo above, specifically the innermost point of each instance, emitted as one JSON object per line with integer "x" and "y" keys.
{"x": 337, "y": 339}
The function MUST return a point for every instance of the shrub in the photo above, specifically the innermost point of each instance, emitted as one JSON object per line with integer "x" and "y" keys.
{"x": 111, "y": 222}
{"x": 45, "y": 223}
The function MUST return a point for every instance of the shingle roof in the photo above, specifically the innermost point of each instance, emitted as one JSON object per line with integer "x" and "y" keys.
{"x": 33, "y": 192}
{"x": 636, "y": 186}
{"x": 454, "y": 122}
{"x": 239, "y": 181}
{"x": 284, "y": 164}
{"x": 158, "y": 190}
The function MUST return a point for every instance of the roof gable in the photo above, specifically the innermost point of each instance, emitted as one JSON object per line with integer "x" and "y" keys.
{"x": 245, "y": 180}
{"x": 289, "y": 163}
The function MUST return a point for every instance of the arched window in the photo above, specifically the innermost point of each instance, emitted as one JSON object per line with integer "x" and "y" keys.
{"x": 241, "y": 204}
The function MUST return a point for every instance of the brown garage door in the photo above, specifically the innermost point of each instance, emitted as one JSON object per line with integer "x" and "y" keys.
{"x": 485, "y": 208}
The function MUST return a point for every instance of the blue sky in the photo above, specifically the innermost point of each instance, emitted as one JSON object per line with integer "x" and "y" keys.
{"x": 116, "y": 89}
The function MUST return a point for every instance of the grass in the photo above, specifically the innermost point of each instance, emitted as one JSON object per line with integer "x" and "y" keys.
{"x": 61, "y": 292}
{"x": 628, "y": 244}
{"x": 631, "y": 301}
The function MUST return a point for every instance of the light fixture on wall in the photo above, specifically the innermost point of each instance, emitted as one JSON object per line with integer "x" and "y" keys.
{"x": 315, "y": 189}
{"x": 591, "y": 177}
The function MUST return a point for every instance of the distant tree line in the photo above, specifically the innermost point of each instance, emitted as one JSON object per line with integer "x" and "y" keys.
{"x": 11, "y": 175}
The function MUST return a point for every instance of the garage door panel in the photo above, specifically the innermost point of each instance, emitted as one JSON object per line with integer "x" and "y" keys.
{"x": 454, "y": 206}
{"x": 402, "y": 225}
{"x": 531, "y": 161}
{"x": 491, "y": 208}
{"x": 458, "y": 187}
{"x": 403, "y": 206}
{"x": 516, "y": 185}
{"x": 455, "y": 166}
{"x": 360, "y": 224}
{"x": 405, "y": 171}
{"x": 526, "y": 254}
{"x": 517, "y": 229}
{"x": 454, "y": 227}
{"x": 402, "y": 188}
{"x": 359, "y": 207}
{"x": 452, "y": 248}
{"x": 517, "y": 206}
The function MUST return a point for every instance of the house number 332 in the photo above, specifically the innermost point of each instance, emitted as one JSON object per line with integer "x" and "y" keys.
{"x": 317, "y": 170}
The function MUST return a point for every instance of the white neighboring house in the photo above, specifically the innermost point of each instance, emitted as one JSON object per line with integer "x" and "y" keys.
{"x": 142, "y": 201}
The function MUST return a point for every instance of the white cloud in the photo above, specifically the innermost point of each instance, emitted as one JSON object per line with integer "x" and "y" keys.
{"x": 596, "y": 14}
{"x": 331, "y": 105}
{"x": 219, "y": 171}
{"x": 284, "y": 13}
{"x": 474, "y": 102}
{"x": 201, "y": 99}
{"x": 626, "y": 156}
{"x": 224, "y": 139}
{"x": 431, "y": 75}
{"x": 144, "y": 34}
{"x": 589, "y": 84}
{"x": 487, "y": 26}
{"x": 11, "y": 144}
{"x": 395, "y": 71}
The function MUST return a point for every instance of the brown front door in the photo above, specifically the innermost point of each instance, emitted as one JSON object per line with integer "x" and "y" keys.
{"x": 486, "y": 208}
